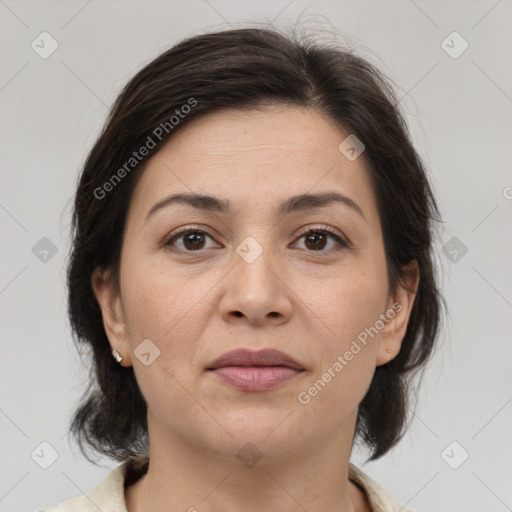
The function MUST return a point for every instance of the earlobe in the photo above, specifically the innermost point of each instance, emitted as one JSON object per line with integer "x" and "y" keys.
{"x": 109, "y": 301}
{"x": 399, "y": 309}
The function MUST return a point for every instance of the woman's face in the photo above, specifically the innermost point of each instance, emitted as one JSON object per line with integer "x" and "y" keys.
{"x": 249, "y": 276}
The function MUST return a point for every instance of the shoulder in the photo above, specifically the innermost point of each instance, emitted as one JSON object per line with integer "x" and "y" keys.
{"x": 107, "y": 496}
{"x": 80, "y": 503}
{"x": 379, "y": 499}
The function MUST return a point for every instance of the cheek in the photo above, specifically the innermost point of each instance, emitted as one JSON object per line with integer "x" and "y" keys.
{"x": 349, "y": 308}
{"x": 347, "y": 303}
{"x": 172, "y": 309}
{"x": 169, "y": 312}
{"x": 159, "y": 300}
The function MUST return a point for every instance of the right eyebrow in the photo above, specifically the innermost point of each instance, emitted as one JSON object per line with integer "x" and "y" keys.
{"x": 199, "y": 201}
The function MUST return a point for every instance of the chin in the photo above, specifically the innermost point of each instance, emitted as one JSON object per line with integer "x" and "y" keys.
{"x": 269, "y": 431}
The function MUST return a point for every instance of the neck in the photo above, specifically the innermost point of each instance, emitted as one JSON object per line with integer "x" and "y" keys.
{"x": 182, "y": 477}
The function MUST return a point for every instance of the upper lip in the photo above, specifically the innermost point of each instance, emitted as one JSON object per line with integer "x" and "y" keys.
{"x": 246, "y": 357}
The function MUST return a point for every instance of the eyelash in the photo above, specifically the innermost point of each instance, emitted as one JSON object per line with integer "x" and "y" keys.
{"x": 326, "y": 230}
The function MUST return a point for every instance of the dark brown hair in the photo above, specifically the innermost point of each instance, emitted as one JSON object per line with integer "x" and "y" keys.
{"x": 245, "y": 69}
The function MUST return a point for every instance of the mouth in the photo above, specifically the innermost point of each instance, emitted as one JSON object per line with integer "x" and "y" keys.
{"x": 255, "y": 371}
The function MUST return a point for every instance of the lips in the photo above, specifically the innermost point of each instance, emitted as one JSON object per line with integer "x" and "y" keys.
{"x": 255, "y": 371}
{"x": 244, "y": 357}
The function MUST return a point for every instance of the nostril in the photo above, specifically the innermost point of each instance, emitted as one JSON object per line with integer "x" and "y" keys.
{"x": 272, "y": 313}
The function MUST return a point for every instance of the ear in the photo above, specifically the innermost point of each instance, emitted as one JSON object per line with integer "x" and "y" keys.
{"x": 398, "y": 314}
{"x": 109, "y": 299}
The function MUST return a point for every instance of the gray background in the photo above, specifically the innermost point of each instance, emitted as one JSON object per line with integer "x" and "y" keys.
{"x": 459, "y": 111}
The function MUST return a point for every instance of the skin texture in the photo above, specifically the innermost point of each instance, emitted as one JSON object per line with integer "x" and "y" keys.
{"x": 197, "y": 305}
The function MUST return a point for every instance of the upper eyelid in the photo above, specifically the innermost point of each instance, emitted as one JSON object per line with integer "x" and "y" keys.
{"x": 322, "y": 227}
{"x": 189, "y": 229}
{"x": 302, "y": 232}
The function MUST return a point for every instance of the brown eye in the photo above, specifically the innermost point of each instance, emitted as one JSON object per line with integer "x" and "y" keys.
{"x": 318, "y": 239}
{"x": 189, "y": 240}
{"x": 193, "y": 240}
{"x": 315, "y": 240}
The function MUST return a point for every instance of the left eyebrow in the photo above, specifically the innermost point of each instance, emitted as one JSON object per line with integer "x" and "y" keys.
{"x": 293, "y": 204}
{"x": 309, "y": 201}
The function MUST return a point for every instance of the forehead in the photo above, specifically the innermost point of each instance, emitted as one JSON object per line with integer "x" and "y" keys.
{"x": 256, "y": 157}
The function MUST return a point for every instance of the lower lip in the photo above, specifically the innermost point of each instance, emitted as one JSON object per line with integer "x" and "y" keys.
{"x": 256, "y": 378}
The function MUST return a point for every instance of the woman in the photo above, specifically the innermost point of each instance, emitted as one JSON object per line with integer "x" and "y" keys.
{"x": 252, "y": 269}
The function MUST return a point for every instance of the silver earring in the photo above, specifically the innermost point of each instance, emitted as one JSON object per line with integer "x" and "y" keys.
{"x": 117, "y": 356}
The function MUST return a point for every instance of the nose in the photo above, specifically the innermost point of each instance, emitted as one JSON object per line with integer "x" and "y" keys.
{"x": 256, "y": 293}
